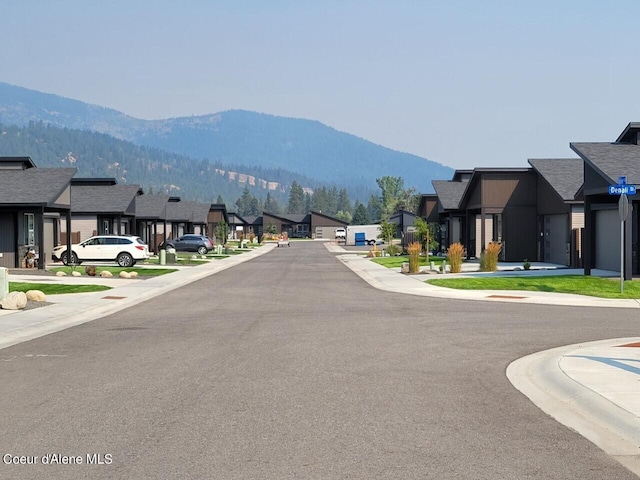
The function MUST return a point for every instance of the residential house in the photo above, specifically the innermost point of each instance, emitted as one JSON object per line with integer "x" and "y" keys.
{"x": 32, "y": 202}
{"x": 151, "y": 213}
{"x": 560, "y": 209}
{"x": 604, "y": 164}
{"x": 100, "y": 206}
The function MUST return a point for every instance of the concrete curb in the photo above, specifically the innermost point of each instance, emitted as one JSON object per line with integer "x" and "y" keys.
{"x": 613, "y": 429}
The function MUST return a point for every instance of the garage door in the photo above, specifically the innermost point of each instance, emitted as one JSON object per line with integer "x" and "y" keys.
{"x": 608, "y": 240}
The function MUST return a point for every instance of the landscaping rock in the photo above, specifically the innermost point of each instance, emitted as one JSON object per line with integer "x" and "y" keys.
{"x": 14, "y": 301}
{"x": 125, "y": 275}
{"x": 76, "y": 274}
{"x": 61, "y": 274}
{"x": 133, "y": 274}
{"x": 36, "y": 296}
{"x": 106, "y": 274}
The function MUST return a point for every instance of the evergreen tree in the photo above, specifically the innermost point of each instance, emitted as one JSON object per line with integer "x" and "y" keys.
{"x": 319, "y": 200}
{"x": 361, "y": 215}
{"x": 344, "y": 204}
{"x": 296, "y": 199}
{"x": 219, "y": 200}
{"x": 332, "y": 201}
{"x": 271, "y": 205}
{"x": 374, "y": 208}
{"x": 244, "y": 202}
{"x": 307, "y": 202}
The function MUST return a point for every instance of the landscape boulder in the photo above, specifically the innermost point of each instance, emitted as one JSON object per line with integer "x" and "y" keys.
{"x": 61, "y": 274}
{"x": 106, "y": 274}
{"x": 133, "y": 274}
{"x": 76, "y": 274}
{"x": 36, "y": 296}
{"x": 14, "y": 301}
{"x": 125, "y": 275}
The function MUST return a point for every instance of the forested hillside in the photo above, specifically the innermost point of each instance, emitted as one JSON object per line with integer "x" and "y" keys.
{"x": 100, "y": 155}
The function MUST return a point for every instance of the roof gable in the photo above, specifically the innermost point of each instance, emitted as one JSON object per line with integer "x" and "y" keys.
{"x": 104, "y": 198}
{"x": 34, "y": 186}
{"x": 449, "y": 193}
{"x": 564, "y": 175}
{"x": 611, "y": 160}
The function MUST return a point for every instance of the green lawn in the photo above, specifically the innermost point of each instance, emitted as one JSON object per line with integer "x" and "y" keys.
{"x": 577, "y": 284}
{"x": 391, "y": 262}
{"x": 142, "y": 272}
{"x": 55, "y": 289}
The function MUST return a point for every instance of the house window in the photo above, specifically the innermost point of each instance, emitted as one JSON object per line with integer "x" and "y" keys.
{"x": 497, "y": 227}
{"x": 29, "y": 229}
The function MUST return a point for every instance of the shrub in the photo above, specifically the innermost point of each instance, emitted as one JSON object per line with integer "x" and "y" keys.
{"x": 414, "y": 257}
{"x": 393, "y": 249}
{"x": 526, "y": 264}
{"x": 489, "y": 257}
{"x": 455, "y": 254}
{"x": 90, "y": 270}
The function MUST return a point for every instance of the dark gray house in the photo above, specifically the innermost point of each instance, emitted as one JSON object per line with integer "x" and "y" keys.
{"x": 151, "y": 212}
{"x": 100, "y": 206}
{"x": 560, "y": 209}
{"x": 32, "y": 202}
{"x": 452, "y": 218}
{"x": 604, "y": 163}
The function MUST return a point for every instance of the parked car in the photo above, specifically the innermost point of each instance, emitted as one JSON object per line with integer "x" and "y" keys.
{"x": 125, "y": 250}
{"x": 190, "y": 243}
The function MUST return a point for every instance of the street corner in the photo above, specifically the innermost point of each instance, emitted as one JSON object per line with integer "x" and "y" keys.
{"x": 610, "y": 368}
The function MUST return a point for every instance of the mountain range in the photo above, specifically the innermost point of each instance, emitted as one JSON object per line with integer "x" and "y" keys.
{"x": 245, "y": 140}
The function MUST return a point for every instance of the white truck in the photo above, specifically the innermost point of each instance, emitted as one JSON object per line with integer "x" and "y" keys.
{"x": 371, "y": 233}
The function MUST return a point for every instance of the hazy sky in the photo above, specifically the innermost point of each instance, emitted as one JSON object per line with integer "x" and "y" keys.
{"x": 464, "y": 83}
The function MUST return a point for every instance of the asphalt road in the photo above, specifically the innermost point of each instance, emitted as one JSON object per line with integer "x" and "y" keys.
{"x": 290, "y": 366}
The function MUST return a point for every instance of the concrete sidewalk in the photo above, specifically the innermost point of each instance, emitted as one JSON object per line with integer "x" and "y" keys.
{"x": 593, "y": 388}
{"x": 75, "y": 309}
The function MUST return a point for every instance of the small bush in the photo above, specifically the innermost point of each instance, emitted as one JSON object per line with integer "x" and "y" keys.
{"x": 414, "y": 257}
{"x": 526, "y": 264}
{"x": 455, "y": 254}
{"x": 90, "y": 270}
{"x": 393, "y": 250}
{"x": 489, "y": 257}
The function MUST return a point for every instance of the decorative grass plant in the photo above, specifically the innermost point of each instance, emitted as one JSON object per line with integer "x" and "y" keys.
{"x": 455, "y": 254}
{"x": 414, "y": 257}
{"x": 489, "y": 258}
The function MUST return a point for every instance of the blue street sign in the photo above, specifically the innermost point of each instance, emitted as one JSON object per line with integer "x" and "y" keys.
{"x": 622, "y": 189}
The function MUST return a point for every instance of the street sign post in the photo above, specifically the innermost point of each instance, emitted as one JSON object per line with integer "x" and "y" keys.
{"x": 623, "y": 211}
{"x": 623, "y": 190}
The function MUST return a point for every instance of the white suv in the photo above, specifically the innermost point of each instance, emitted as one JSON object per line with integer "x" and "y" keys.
{"x": 125, "y": 250}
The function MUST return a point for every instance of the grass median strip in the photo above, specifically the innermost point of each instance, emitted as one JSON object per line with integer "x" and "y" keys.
{"x": 55, "y": 289}
{"x": 576, "y": 284}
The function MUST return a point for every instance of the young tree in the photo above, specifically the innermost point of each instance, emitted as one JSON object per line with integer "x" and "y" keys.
{"x": 387, "y": 231}
{"x": 344, "y": 216}
{"x": 423, "y": 233}
{"x": 222, "y": 231}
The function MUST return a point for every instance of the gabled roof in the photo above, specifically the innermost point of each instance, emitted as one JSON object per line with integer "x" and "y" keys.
{"x": 115, "y": 199}
{"x": 320, "y": 214}
{"x": 200, "y": 211}
{"x": 236, "y": 219}
{"x": 179, "y": 212}
{"x": 564, "y": 175}
{"x": 220, "y": 207}
{"x": 611, "y": 160}
{"x": 151, "y": 206}
{"x": 19, "y": 163}
{"x": 449, "y": 193}
{"x": 34, "y": 186}
{"x": 291, "y": 217}
{"x": 630, "y": 133}
{"x": 253, "y": 219}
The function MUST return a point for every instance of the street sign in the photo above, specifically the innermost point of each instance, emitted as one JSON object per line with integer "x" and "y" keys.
{"x": 622, "y": 189}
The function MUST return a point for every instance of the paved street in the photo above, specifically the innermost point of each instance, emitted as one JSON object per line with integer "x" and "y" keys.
{"x": 291, "y": 366}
